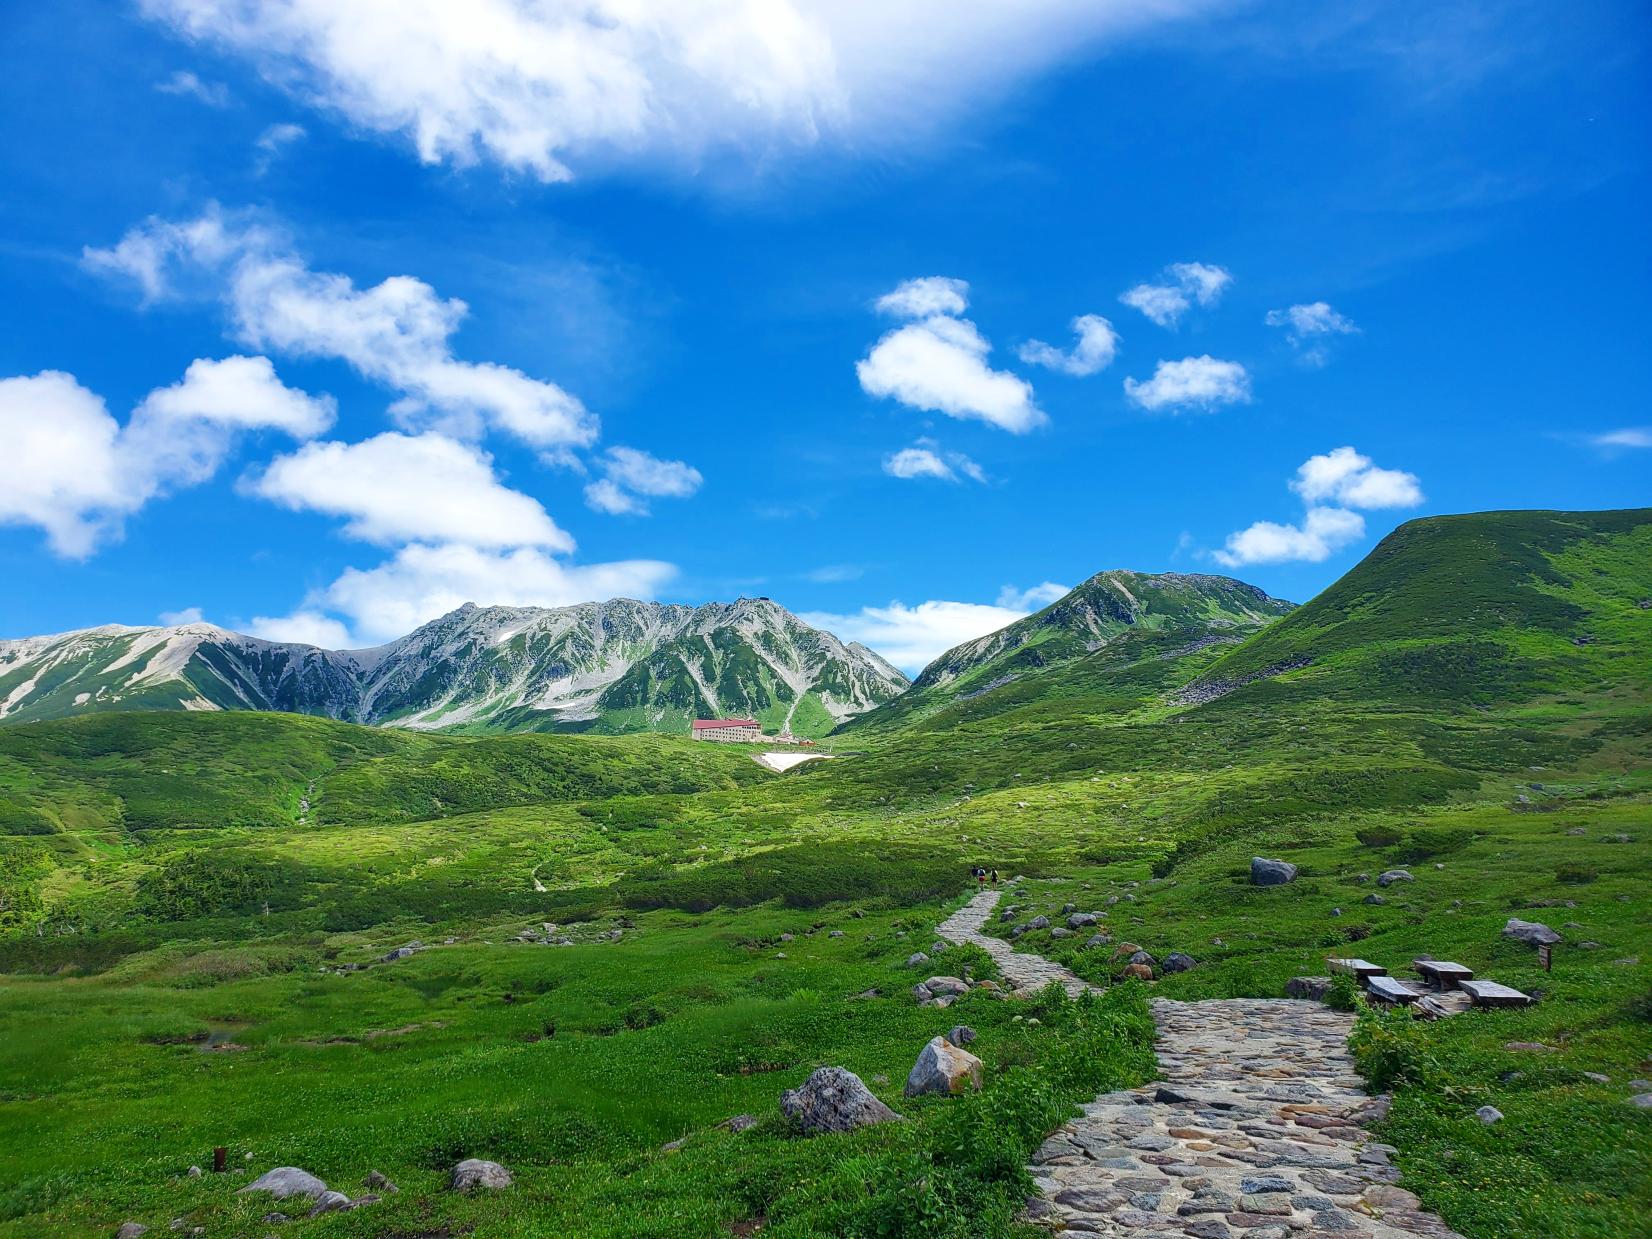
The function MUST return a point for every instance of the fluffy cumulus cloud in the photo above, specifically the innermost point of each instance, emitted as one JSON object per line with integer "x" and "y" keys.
{"x": 927, "y": 459}
{"x": 1331, "y": 486}
{"x": 547, "y": 86}
{"x": 631, "y": 477}
{"x": 1191, "y": 383}
{"x": 397, "y": 488}
{"x": 422, "y": 582}
{"x": 1310, "y": 327}
{"x": 397, "y": 332}
{"x": 1096, "y": 346}
{"x": 1182, "y": 285}
{"x": 71, "y": 469}
{"x": 1345, "y": 477}
{"x": 911, "y": 637}
{"x": 938, "y": 363}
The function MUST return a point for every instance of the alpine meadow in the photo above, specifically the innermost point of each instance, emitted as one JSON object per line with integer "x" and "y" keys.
{"x": 798, "y": 619}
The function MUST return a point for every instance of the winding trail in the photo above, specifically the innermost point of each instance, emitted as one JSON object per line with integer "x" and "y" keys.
{"x": 1255, "y": 1131}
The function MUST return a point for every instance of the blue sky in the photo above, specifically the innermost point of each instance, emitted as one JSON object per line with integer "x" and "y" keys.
{"x": 316, "y": 324}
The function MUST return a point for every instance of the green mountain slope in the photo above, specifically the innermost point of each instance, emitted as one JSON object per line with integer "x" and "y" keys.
{"x": 1047, "y": 652}
{"x": 1461, "y": 611}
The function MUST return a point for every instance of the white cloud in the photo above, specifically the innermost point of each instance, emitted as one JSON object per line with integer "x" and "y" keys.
{"x": 1323, "y": 532}
{"x": 1316, "y": 318}
{"x": 1097, "y": 345}
{"x": 1345, "y": 477}
{"x": 1035, "y": 598}
{"x": 188, "y": 615}
{"x": 631, "y": 474}
{"x": 1188, "y": 282}
{"x": 939, "y": 364}
{"x": 422, "y": 582}
{"x": 72, "y": 470}
{"x": 273, "y": 141}
{"x": 396, "y": 332}
{"x": 913, "y": 637}
{"x": 183, "y": 82}
{"x": 1340, "y": 477}
{"x": 925, "y": 296}
{"x": 302, "y": 628}
{"x": 1630, "y": 437}
{"x": 926, "y": 459}
{"x": 397, "y": 488}
{"x": 545, "y": 86}
{"x": 1201, "y": 382}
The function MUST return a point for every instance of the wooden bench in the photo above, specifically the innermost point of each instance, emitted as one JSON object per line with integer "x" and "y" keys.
{"x": 1493, "y": 994}
{"x": 1360, "y": 968}
{"x": 1389, "y": 989}
{"x": 1442, "y": 973}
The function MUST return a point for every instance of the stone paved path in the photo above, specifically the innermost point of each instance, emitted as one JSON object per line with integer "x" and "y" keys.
{"x": 1029, "y": 972}
{"x": 1254, "y": 1132}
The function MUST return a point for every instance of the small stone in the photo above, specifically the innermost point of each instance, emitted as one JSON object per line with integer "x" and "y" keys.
{"x": 1489, "y": 1115}
{"x": 1039, "y": 922}
{"x": 917, "y": 959}
{"x": 1178, "y": 961}
{"x": 131, "y": 1230}
{"x": 1533, "y": 933}
{"x": 1374, "y": 899}
{"x": 1256, "y": 1185}
{"x": 377, "y": 1182}
{"x": 285, "y": 1182}
{"x": 474, "y": 1173}
{"x": 194, "y": 1172}
{"x": 1272, "y": 1204}
{"x": 739, "y": 1123}
{"x": 1060, "y": 932}
{"x": 836, "y": 933}
{"x": 1391, "y": 876}
{"x": 1641, "y": 1101}
{"x": 961, "y": 1034}
{"x": 1095, "y": 940}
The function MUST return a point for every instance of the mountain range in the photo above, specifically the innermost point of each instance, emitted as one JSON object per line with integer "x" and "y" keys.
{"x": 609, "y": 667}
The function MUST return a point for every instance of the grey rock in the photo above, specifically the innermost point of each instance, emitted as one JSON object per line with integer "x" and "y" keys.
{"x": 1081, "y": 920}
{"x": 1641, "y": 1101}
{"x": 131, "y": 1230}
{"x": 285, "y": 1182}
{"x": 328, "y": 1202}
{"x": 1255, "y": 1185}
{"x": 1178, "y": 961}
{"x": 834, "y": 1099}
{"x": 917, "y": 959}
{"x": 1039, "y": 922}
{"x": 961, "y": 1035}
{"x": 1533, "y": 933}
{"x": 1374, "y": 899}
{"x": 836, "y": 933}
{"x": 401, "y": 952}
{"x": 944, "y": 1068}
{"x": 377, "y": 1182}
{"x": 474, "y": 1172}
{"x": 921, "y": 992}
{"x": 1095, "y": 940}
{"x": 940, "y": 986}
{"x": 1141, "y": 957}
{"x": 1059, "y": 932}
{"x": 1314, "y": 988}
{"x": 1489, "y": 1115}
{"x": 1392, "y": 876}
{"x": 740, "y": 1123}
{"x": 1265, "y": 872}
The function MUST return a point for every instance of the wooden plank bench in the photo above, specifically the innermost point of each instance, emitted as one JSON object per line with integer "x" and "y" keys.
{"x": 1493, "y": 994}
{"x": 1388, "y": 989}
{"x": 1360, "y": 968}
{"x": 1442, "y": 973}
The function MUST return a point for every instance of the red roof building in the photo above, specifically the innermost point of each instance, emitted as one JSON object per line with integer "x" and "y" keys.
{"x": 726, "y": 729}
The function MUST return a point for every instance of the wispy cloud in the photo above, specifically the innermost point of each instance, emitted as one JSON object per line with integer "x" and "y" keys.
{"x": 185, "y": 83}
{"x": 1184, "y": 283}
{"x": 1310, "y": 327}
{"x": 927, "y": 459}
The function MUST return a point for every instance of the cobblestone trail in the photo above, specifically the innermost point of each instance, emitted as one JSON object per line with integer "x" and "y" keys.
{"x": 1254, "y": 1132}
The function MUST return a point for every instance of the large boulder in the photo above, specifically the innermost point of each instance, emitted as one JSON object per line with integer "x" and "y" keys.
{"x": 285, "y": 1182}
{"x": 1178, "y": 961}
{"x": 941, "y": 986}
{"x": 473, "y": 1173}
{"x": 834, "y": 1099}
{"x": 1533, "y": 933}
{"x": 1391, "y": 876}
{"x": 1265, "y": 872}
{"x": 943, "y": 1068}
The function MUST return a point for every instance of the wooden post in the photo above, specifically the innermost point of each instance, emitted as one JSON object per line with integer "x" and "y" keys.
{"x": 1545, "y": 955}
{"x": 220, "y": 1156}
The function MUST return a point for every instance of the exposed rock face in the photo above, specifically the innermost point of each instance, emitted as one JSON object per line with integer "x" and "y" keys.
{"x": 1265, "y": 872}
{"x": 474, "y": 1173}
{"x": 834, "y": 1099}
{"x": 943, "y": 1068}
{"x": 1392, "y": 876}
{"x": 1533, "y": 933}
{"x": 287, "y": 1181}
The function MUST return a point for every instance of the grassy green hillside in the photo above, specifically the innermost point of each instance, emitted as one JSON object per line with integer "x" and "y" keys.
{"x": 165, "y": 893}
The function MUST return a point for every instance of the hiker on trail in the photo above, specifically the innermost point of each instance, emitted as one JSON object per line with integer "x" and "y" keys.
{"x": 995, "y": 877}
{"x": 979, "y": 874}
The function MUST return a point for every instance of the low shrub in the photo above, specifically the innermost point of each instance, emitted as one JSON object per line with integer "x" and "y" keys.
{"x": 1378, "y": 836}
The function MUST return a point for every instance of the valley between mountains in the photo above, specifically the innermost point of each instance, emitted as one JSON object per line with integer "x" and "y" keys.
{"x": 467, "y": 929}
